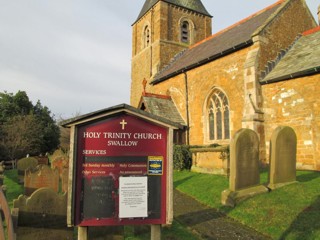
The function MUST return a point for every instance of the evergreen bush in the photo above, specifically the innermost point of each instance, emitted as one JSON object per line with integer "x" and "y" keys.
{"x": 182, "y": 158}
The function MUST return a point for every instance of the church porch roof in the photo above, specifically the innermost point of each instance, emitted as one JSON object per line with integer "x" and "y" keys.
{"x": 301, "y": 60}
{"x": 161, "y": 106}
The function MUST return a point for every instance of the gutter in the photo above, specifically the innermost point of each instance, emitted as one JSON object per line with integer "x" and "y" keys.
{"x": 204, "y": 61}
{"x": 187, "y": 107}
{"x": 307, "y": 72}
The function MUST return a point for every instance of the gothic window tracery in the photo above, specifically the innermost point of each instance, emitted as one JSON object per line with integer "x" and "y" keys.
{"x": 218, "y": 116}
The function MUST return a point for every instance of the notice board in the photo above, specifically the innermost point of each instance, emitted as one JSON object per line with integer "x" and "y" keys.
{"x": 120, "y": 172}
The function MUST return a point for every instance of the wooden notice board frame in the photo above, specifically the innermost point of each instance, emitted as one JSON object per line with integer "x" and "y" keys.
{"x": 113, "y": 143}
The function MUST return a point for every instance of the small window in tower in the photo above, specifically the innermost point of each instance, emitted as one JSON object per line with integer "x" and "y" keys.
{"x": 146, "y": 36}
{"x": 185, "y": 32}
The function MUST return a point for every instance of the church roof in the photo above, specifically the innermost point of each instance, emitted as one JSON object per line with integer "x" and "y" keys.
{"x": 301, "y": 60}
{"x": 162, "y": 106}
{"x": 194, "y": 5}
{"x": 118, "y": 109}
{"x": 225, "y": 42}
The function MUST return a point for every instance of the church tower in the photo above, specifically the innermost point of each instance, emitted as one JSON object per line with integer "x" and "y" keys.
{"x": 162, "y": 30}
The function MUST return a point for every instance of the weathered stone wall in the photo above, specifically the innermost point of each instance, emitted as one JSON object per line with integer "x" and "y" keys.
{"x": 237, "y": 75}
{"x": 225, "y": 74}
{"x": 296, "y": 103}
{"x": 164, "y": 21}
{"x": 281, "y": 32}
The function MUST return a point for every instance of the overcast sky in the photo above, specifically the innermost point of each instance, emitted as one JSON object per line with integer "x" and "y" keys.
{"x": 75, "y": 56}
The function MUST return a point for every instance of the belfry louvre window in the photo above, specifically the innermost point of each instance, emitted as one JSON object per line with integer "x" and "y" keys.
{"x": 218, "y": 116}
{"x": 146, "y": 36}
{"x": 185, "y": 32}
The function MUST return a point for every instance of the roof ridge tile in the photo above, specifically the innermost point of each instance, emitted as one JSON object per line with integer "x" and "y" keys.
{"x": 311, "y": 31}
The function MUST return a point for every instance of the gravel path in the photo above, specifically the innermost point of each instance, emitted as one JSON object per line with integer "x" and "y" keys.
{"x": 208, "y": 223}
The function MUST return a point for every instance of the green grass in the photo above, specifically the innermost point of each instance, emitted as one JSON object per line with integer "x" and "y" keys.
{"x": 291, "y": 212}
{"x": 14, "y": 189}
{"x": 174, "y": 232}
{"x": 206, "y": 188}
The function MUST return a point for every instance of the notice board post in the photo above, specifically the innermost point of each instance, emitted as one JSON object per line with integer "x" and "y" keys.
{"x": 120, "y": 169}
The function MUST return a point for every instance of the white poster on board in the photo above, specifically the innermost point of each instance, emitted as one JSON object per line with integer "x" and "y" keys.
{"x": 133, "y": 197}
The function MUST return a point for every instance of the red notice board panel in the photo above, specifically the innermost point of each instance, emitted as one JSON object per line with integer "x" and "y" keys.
{"x": 121, "y": 172}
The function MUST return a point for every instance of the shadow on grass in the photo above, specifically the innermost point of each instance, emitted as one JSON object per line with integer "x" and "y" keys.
{"x": 307, "y": 224}
{"x": 209, "y": 223}
{"x": 181, "y": 181}
{"x": 12, "y": 175}
{"x": 195, "y": 218}
{"x": 308, "y": 176}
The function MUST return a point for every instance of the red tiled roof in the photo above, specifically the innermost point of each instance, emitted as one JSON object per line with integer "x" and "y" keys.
{"x": 220, "y": 44}
{"x": 311, "y": 31}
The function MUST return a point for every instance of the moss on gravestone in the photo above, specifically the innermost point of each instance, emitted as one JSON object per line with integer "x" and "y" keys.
{"x": 25, "y": 163}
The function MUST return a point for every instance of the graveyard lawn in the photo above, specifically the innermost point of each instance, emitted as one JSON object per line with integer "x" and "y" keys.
{"x": 290, "y": 212}
{"x": 14, "y": 189}
{"x": 175, "y": 232}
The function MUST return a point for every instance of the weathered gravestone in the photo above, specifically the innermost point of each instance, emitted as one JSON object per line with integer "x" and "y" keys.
{"x": 23, "y": 164}
{"x": 44, "y": 160}
{"x": 40, "y": 176}
{"x": 60, "y": 163}
{"x": 283, "y": 149}
{"x": 42, "y": 216}
{"x": 244, "y": 178}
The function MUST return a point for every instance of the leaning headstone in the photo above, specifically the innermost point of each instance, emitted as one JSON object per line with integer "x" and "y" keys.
{"x": 42, "y": 216}
{"x": 39, "y": 177}
{"x": 283, "y": 149}
{"x": 244, "y": 180}
{"x": 23, "y": 164}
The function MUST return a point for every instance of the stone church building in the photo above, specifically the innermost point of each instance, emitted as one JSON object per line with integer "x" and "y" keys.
{"x": 259, "y": 73}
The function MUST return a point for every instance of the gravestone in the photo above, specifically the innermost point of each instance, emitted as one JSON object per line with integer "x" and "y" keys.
{"x": 244, "y": 178}
{"x": 283, "y": 149}
{"x": 23, "y": 164}
{"x": 44, "y": 160}
{"x": 42, "y": 216}
{"x": 40, "y": 176}
{"x": 60, "y": 163}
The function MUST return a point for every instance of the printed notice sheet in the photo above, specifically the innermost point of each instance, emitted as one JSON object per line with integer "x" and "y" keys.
{"x": 133, "y": 197}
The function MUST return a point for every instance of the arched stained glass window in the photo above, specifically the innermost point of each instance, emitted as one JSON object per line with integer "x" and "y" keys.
{"x": 218, "y": 116}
